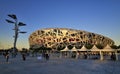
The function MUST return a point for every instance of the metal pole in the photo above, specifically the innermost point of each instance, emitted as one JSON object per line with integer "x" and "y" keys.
{"x": 15, "y": 38}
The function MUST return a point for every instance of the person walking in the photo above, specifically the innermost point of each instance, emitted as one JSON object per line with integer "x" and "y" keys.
{"x": 7, "y": 56}
{"x": 47, "y": 56}
{"x": 23, "y": 56}
{"x": 113, "y": 57}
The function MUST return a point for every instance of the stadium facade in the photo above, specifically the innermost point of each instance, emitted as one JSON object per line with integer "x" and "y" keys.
{"x": 54, "y": 37}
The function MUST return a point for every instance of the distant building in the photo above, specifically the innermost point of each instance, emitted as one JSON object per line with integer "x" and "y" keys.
{"x": 53, "y": 37}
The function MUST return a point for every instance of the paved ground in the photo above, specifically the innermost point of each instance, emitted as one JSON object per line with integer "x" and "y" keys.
{"x": 58, "y": 66}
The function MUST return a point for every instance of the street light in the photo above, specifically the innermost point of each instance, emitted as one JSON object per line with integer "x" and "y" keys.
{"x": 16, "y": 28}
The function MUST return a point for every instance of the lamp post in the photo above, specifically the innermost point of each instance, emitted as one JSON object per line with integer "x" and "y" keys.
{"x": 16, "y": 29}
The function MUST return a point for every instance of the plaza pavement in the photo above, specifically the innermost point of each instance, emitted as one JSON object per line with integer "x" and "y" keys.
{"x": 58, "y": 66}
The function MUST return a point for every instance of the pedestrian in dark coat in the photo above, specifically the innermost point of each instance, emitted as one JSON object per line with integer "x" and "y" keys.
{"x": 23, "y": 57}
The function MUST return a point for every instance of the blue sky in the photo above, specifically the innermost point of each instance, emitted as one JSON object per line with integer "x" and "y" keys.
{"x": 98, "y": 16}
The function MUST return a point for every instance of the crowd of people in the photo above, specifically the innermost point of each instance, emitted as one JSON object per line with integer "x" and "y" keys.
{"x": 8, "y": 54}
{"x": 46, "y": 56}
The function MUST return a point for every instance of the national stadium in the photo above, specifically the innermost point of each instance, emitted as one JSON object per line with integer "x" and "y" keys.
{"x": 54, "y": 37}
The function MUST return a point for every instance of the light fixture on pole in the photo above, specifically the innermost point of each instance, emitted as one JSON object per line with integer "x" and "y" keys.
{"x": 16, "y": 28}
